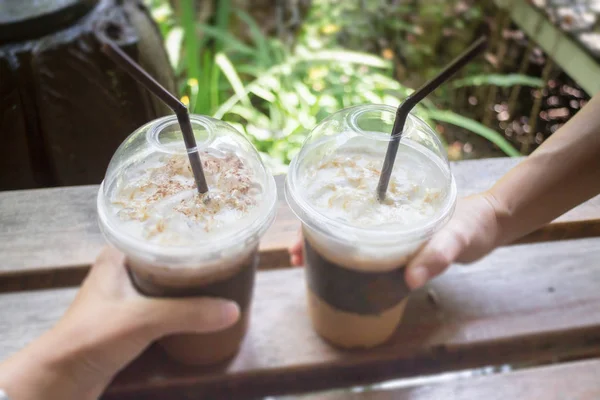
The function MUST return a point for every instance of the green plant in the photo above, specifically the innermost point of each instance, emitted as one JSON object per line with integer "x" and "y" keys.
{"x": 500, "y": 80}
{"x": 276, "y": 94}
{"x": 475, "y": 127}
{"x": 285, "y": 100}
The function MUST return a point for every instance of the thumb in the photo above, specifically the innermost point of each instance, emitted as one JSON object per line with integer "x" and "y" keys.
{"x": 191, "y": 315}
{"x": 443, "y": 249}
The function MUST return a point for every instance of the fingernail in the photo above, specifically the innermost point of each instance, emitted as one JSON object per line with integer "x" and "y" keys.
{"x": 230, "y": 313}
{"x": 420, "y": 275}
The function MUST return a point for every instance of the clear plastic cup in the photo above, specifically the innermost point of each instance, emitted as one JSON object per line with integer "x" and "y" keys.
{"x": 356, "y": 248}
{"x": 174, "y": 247}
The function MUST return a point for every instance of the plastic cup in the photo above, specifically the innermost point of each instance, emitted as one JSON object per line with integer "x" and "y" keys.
{"x": 174, "y": 247}
{"x": 356, "y": 248}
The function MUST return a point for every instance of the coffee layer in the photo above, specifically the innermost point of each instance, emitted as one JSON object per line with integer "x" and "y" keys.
{"x": 359, "y": 292}
{"x": 237, "y": 287}
{"x": 207, "y": 348}
{"x": 353, "y": 331}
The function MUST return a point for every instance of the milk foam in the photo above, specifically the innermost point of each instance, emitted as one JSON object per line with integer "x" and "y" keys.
{"x": 343, "y": 185}
{"x": 156, "y": 199}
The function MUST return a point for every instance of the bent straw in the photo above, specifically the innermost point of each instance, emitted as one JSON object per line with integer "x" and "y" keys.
{"x": 414, "y": 99}
{"x": 132, "y": 68}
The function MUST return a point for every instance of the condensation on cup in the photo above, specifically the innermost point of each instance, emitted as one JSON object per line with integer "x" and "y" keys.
{"x": 356, "y": 247}
{"x": 179, "y": 243}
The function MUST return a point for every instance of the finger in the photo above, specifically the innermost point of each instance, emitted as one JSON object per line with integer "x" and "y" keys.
{"x": 296, "y": 252}
{"x": 296, "y": 260}
{"x": 110, "y": 255}
{"x": 434, "y": 258}
{"x": 109, "y": 266}
{"x": 191, "y": 315}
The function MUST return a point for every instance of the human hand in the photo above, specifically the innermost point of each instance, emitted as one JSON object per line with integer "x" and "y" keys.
{"x": 472, "y": 232}
{"x": 108, "y": 325}
{"x": 296, "y": 251}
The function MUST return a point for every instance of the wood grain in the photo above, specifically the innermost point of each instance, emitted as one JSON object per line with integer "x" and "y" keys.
{"x": 575, "y": 380}
{"x": 49, "y": 237}
{"x": 529, "y": 302}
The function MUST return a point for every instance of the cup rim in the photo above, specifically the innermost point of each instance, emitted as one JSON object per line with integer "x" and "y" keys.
{"x": 378, "y": 235}
{"x": 208, "y": 249}
{"x": 343, "y": 231}
{"x": 248, "y": 235}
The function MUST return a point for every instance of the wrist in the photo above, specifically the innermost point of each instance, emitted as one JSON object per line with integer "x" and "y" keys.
{"x": 501, "y": 216}
{"x": 74, "y": 353}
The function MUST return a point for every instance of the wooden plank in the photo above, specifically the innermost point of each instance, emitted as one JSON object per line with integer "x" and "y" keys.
{"x": 48, "y": 228}
{"x": 48, "y": 237}
{"x": 574, "y": 380}
{"x": 521, "y": 304}
{"x": 570, "y": 55}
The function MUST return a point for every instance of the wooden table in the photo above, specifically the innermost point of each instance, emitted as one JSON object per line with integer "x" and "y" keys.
{"x": 532, "y": 304}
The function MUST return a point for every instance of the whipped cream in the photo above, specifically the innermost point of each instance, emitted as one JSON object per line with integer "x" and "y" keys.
{"x": 156, "y": 199}
{"x": 343, "y": 184}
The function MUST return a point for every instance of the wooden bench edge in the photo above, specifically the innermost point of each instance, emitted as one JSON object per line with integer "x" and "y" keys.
{"x": 273, "y": 258}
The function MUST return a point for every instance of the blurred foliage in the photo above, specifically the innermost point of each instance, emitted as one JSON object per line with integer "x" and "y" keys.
{"x": 276, "y": 93}
{"x": 500, "y": 80}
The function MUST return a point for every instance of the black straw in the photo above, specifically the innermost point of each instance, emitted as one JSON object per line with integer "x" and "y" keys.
{"x": 132, "y": 68}
{"x": 414, "y": 99}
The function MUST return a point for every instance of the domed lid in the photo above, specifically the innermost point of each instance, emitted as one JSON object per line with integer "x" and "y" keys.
{"x": 148, "y": 201}
{"x": 332, "y": 182}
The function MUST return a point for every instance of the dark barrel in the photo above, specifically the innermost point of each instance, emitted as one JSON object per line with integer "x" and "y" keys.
{"x": 65, "y": 107}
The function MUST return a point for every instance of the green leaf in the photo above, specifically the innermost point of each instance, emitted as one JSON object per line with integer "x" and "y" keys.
{"x": 193, "y": 90}
{"x": 401, "y": 26}
{"x": 233, "y": 100}
{"x": 250, "y": 70}
{"x": 214, "y": 87}
{"x": 501, "y": 80}
{"x": 475, "y": 127}
{"x": 304, "y": 93}
{"x": 226, "y": 38}
{"x": 352, "y": 57}
{"x": 260, "y": 40}
{"x": 203, "y": 102}
{"x": 264, "y": 94}
{"x": 222, "y": 21}
{"x": 251, "y": 114}
{"x": 191, "y": 45}
{"x": 229, "y": 71}
{"x": 173, "y": 42}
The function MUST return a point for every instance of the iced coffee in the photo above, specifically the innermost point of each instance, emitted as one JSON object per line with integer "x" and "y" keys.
{"x": 356, "y": 247}
{"x": 180, "y": 243}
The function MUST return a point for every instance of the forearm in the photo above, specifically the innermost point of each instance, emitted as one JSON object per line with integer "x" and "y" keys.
{"x": 560, "y": 174}
{"x": 107, "y": 326}
{"x": 51, "y": 368}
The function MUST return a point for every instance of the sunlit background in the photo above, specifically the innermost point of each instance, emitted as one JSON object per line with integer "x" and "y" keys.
{"x": 274, "y": 69}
